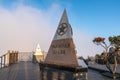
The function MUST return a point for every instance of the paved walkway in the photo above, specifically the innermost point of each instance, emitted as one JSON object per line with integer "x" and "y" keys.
{"x": 30, "y": 71}
{"x": 103, "y": 67}
{"x": 21, "y": 71}
{"x": 95, "y": 75}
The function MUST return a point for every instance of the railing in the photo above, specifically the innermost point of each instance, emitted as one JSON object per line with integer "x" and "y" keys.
{"x": 25, "y": 56}
{"x": 2, "y": 61}
{"x": 12, "y": 57}
{"x": 8, "y": 58}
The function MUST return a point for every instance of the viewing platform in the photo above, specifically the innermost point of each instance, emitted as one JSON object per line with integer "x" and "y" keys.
{"x": 24, "y": 69}
{"x": 100, "y": 67}
{"x": 20, "y": 71}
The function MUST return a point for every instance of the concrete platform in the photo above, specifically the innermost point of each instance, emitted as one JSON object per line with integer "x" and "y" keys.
{"x": 102, "y": 69}
{"x": 30, "y": 71}
{"x": 20, "y": 71}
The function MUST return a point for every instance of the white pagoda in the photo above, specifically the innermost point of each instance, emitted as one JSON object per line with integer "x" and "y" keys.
{"x": 38, "y": 55}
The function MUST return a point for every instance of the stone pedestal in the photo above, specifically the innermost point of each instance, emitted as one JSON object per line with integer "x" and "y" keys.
{"x": 53, "y": 72}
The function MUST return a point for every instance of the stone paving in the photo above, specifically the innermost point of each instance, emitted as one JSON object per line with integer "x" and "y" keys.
{"x": 103, "y": 67}
{"x": 30, "y": 71}
{"x": 94, "y": 75}
{"x": 20, "y": 71}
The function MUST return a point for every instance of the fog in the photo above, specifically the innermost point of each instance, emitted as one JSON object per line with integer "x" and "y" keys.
{"x": 23, "y": 27}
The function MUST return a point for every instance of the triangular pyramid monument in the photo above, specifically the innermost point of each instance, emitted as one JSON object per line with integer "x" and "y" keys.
{"x": 62, "y": 49}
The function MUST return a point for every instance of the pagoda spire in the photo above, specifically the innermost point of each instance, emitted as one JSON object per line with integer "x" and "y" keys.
{"x": 38, "y": 50}
{"x": 38, "y": 47}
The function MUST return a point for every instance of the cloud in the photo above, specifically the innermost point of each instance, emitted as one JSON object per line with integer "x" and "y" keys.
{"x": 23, "y": 27}
{"x": 84, "y": 45}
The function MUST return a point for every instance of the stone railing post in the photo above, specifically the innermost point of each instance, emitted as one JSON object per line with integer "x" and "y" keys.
{"x": 8, "y": 58}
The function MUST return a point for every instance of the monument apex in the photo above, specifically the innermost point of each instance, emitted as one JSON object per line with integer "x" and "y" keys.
{"x": 64, "y": 29}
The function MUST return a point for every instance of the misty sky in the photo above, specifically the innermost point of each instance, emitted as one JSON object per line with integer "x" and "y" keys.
{"x": 25, "y": 23}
